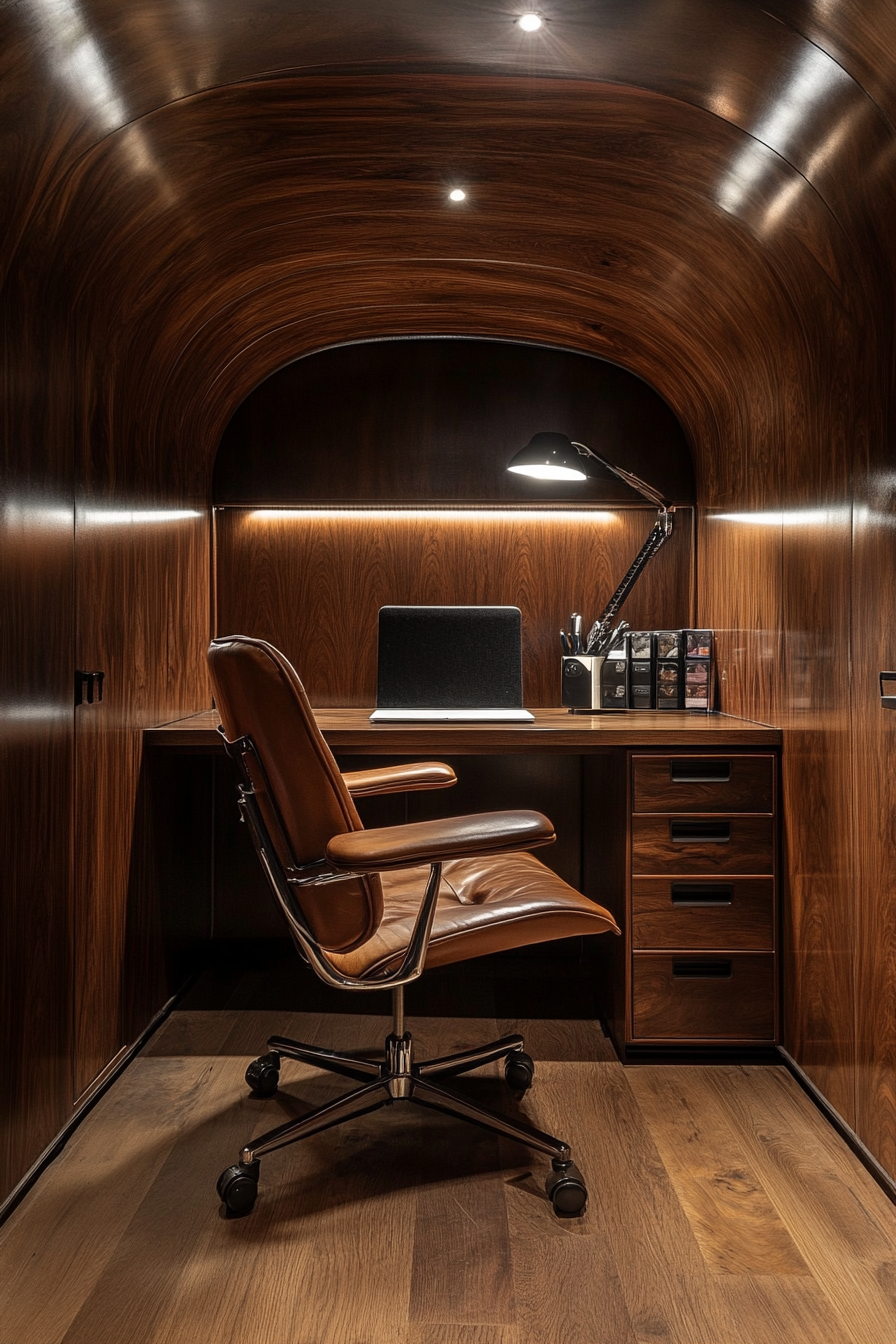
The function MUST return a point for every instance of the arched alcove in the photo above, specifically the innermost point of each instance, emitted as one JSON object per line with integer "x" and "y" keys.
{"x": 423, "y": 428}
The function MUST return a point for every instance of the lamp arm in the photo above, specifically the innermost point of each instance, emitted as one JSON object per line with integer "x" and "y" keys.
{"x": 599, "y": 634}
{"x": 635, "y": 482}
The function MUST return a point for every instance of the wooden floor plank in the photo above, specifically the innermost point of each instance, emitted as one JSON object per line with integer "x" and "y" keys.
{"x": 325, "y": 1256}
{"x": 425, "y": 1332}
{"x": 165, "y": 1232}
{"x": 786, "y": 1309}
{"x": 555, "y": 1039}
{"x": 406, "y": 1227}
{"x": 56, "y": 1246}
{"x": 462, "y": 1273}
{"x": 736, "y": 1225}
{"x": 841, "y": 1221}
{"x": 668, "y": 1290}
{"x": 191, "y": 1033}
{"x": 462, "y": 1269}
{"x": 565, "y": 1274}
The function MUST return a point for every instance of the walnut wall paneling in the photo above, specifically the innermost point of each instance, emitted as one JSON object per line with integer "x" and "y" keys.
{"x": 36, "y": 760}
{"x": 874, "y": 781}
{"x": 142, "y": 610}
{"x": 313, "y": 584}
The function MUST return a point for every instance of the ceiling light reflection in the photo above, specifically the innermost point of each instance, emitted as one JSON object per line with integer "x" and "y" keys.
{"x": 125, "y": 516}
{"x": 78, "y": 60}
{"x": 788, "y": 517}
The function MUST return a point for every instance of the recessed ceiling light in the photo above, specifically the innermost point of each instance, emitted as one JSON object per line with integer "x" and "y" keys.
{"x": 457, "y": 195}
{"x": 530, "y": 23}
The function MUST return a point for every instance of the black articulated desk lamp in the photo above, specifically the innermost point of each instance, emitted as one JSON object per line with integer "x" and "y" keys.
{"x": 554, "y": 457}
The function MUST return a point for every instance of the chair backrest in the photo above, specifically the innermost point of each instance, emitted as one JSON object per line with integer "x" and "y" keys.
{"x": 303, "y": 797}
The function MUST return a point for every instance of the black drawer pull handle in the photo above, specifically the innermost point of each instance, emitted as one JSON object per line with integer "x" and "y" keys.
{"x": 700, "y": 832}
{"x": 702, "y": 893}
{"x": 701, "y": 970}
{"x": 684, "y": 771}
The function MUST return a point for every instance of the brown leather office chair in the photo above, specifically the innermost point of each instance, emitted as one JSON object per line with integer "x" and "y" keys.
{"x": 371, "y": 909}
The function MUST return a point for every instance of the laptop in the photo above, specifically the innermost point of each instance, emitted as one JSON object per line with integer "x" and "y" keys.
{"x": 450, "y": 665}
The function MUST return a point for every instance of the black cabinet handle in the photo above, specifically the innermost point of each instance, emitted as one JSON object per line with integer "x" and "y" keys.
{"x": 702, "y": 893}
{"x": 89, "y": 687}
{"x": 701, "y": 970}
{"x": 888, "y": 701}
{"x": 686, "y": 771}
{"x": 700, "y": 832}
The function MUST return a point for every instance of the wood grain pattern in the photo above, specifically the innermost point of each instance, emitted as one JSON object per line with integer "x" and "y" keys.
{"x": 229, "y": 191}
{"x": 297, "y": 581}
{"x": 734, "y": 1221}
{"x": 722, "y": 1208}
{"x": 736, "y": 1006}
{"x": 670, "y": 914}
{"x": 749, "y": 848}
{"x": 141, "y": 593}
{"x": 36, "y": 766}
{"x": 351, "y": 730}
{"x": 749, "y": 787}
{"x": 843, "y": 1211}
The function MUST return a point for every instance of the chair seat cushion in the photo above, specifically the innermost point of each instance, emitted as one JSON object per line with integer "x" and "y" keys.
{"x": 484, "y": 905}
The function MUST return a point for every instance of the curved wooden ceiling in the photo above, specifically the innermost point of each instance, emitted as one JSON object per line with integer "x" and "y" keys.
{"x": 698, "y": 191}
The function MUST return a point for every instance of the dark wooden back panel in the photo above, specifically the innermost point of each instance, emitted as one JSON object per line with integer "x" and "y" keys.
{"x": 437, "y": 420}
{"x": 313, "y": 583}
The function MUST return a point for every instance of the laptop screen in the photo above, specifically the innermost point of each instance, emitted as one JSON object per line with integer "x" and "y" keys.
{"x": 449, "y": 658}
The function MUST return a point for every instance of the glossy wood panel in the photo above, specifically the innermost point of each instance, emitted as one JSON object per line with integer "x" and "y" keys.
{"x": 874, "y": 782}
{"x": 659, "y": 845}
{"x": 36, "y": 746}
{"x": 142, "y": 594}
{"x": 737, "y": 914}
{"x": 313, "y": 585}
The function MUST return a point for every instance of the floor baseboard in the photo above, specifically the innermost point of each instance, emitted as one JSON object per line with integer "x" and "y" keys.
{"x": 849, "y": 1136}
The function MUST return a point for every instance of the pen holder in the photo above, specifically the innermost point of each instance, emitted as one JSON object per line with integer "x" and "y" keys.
{"x": 580, "y": 682}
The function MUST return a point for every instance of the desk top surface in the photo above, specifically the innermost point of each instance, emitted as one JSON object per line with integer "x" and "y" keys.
{"x": 553, "y": 730}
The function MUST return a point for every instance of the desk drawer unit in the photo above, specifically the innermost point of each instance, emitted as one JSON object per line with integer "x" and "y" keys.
{"x": 702, "y": 900}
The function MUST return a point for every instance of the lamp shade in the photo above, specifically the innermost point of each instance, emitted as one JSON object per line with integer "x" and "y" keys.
{"x": 549, "y": 457}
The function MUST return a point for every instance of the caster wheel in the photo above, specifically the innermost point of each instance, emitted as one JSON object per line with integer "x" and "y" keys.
{"x": 566, "y": 1190}
{"x": 263, "y": 1075}
{"x": 238, "y": 1188}
{"x": 519, "y": 1070}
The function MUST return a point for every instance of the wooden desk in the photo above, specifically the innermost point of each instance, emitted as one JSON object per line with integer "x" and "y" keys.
{"x": 553, "y": 730}
{"x": 670, "y": 822}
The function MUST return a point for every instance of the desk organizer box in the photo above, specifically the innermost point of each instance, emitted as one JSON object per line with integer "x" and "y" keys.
{"x": 647, "y": 669}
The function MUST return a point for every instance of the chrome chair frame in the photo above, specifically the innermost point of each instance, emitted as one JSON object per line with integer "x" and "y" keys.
{"x": 395, "y": 1077}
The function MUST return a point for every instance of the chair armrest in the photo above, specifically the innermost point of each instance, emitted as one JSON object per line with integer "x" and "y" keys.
{"x": 399, "y": 779}
{"x": 483, "y": 833}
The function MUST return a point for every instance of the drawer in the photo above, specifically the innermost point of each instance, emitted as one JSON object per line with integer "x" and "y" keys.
{"x": 703, "y": 997}
{"x": 694, "y": 844}
{"x": 703, "y": 783}
{"x": 732, "y": 913}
